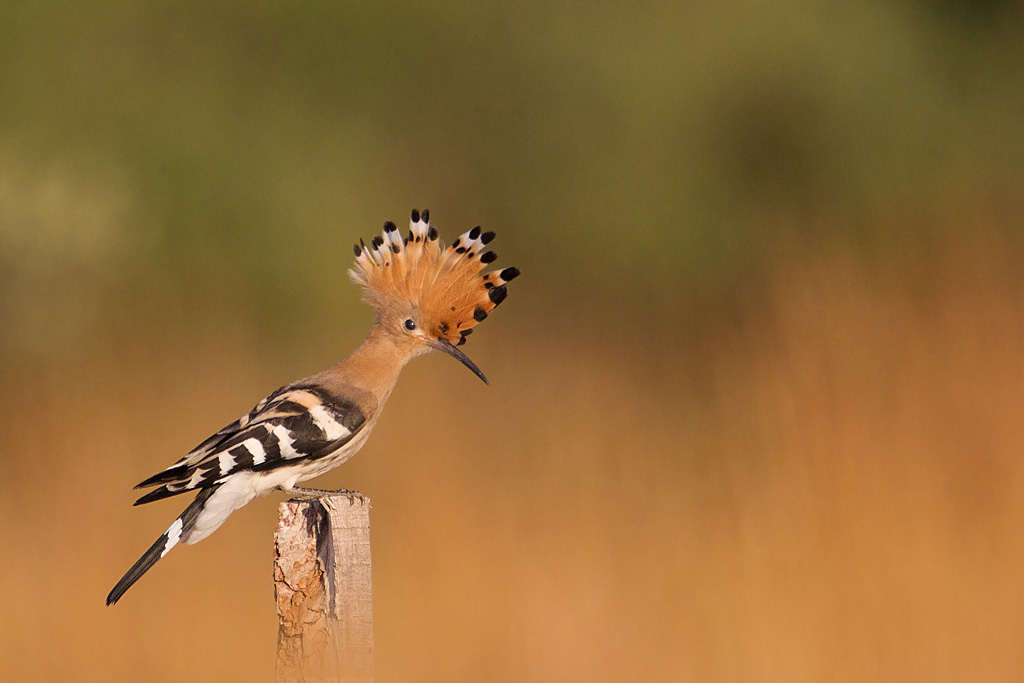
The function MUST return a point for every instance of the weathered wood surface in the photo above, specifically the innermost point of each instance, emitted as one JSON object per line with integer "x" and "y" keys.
{"x": 323, "y": 590}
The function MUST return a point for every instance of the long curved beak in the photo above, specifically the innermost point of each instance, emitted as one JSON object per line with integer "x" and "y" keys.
{"x": 451, "y": 350}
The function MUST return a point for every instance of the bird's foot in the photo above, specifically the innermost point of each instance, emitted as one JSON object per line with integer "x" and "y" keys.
{"x": 300, "y": 493}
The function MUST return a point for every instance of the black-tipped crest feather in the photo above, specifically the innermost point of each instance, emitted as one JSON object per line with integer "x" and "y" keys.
{"x": 444, "y": 286}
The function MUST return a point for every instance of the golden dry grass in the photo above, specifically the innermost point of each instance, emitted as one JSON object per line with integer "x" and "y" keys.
{"x": 829, "y": 490}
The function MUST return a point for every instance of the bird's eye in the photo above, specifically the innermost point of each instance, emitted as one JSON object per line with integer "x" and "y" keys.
{"x": 410, "y": 324}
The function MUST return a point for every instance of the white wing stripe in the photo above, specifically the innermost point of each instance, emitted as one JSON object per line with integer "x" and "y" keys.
{"x": 256, "y": 448}
{"x": 331, "y": 428}
{"x": 285, "y": 441}
{"x": 197, "y": 476}
{"x": 227, "y": 462}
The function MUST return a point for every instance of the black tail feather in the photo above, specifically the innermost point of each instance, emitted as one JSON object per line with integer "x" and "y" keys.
{"x": 138, "y": 569}
{"x": 159, "y": 494}
{"x": 169, "y": 475}
{"x": 160, "y": 547}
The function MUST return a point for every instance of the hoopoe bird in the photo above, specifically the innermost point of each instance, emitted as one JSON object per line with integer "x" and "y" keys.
{"x": 427, "y": 298}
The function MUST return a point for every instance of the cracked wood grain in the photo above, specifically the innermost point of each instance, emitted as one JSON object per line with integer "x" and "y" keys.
{"x": 323, "y": 590}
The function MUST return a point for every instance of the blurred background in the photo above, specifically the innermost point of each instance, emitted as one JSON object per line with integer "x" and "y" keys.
{"x": 756, "y": 400}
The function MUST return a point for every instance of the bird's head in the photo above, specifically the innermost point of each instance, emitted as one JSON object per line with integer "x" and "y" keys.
{"x": 428, "y": 297}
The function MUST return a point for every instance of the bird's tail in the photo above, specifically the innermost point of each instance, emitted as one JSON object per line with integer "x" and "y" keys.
{"x": 179, "y": 529}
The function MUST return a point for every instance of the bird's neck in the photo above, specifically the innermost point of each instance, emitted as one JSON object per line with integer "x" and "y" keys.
{"x": 375, "y": 365}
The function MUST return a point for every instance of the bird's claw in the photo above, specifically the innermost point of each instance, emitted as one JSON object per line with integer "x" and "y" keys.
{"x": 298, "y": 493}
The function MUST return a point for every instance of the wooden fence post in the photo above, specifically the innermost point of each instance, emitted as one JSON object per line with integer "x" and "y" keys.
{"x": 323, "y": 591}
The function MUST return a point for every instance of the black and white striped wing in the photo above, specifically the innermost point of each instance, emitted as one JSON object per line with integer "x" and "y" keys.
{"x": 294, "y": 424}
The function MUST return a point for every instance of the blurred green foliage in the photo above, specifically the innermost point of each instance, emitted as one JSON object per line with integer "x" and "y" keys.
{"x": 192, "y": 151}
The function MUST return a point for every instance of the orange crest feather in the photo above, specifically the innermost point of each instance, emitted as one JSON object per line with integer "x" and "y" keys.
{"x": 443, "y": 287}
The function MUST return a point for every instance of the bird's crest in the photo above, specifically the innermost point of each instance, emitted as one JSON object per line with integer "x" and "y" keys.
{"x": 444, "y": 286}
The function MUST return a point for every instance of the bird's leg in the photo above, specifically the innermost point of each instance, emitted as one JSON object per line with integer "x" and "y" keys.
{"x": 301, "y": 493}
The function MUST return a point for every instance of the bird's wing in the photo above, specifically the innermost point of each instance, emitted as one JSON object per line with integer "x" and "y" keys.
{"x": 295, "y": 423}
